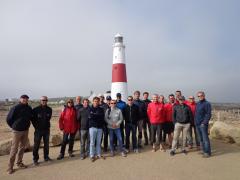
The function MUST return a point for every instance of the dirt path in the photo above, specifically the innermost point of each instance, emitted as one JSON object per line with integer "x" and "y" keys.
{"x": 224, "y": 164}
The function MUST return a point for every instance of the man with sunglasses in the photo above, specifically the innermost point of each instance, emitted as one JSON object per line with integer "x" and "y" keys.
{"x": 131, "y": 116}
{"x": 202, "y": 117}
{"x": 41, "y": 122}
{"x": 114, "y": 118}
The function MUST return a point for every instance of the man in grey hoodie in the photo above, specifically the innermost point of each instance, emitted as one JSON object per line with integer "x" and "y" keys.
{"x": 114, "y": 118}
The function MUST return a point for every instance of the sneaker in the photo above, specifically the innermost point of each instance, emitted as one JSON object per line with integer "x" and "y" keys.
{"x": 126, "y": 150}
{"x": 82, "y": 158}
{"x": 60, "y": 157}
{"x": 21, "y": 165}
{"x": 205, "y": 155}
{"x": 10, "y": 171}
{"x": 92, "y": 159}
{"x": 71, "y": 155}
{"x": 100, "y": 157}
{"x": 172, "y": 153}
{"x": 47, "y": 159}
{"x": 140, "y": 146}
{"x": 184, "y": 152}
{"x": 112, "y": 153}
{"x": 123, "y": 154}
{"x": 190, "y": 146}
{"x": 35, "y": 163}
{"x": 136, "y": 150}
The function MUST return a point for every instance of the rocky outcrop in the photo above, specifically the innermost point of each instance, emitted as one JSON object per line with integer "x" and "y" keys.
{"x": 225, "y": 132}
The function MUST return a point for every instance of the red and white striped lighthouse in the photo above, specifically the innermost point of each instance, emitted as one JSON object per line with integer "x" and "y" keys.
{"x": 119, "y": 75}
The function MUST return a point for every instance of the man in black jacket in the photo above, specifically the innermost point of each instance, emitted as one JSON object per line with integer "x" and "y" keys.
{"x": 82, "y": 117}
{"x": 182, "y": 116}
{"x": 142, "y": 113}
{"x": 41, "y": 122}
{"x": 18, "y": 119}
{"x": 146, "y": 121}
{"x": 131, "y": 116}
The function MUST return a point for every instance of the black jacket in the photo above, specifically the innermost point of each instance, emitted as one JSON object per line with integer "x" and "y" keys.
{"x": 41, "y": 118}
{"x": 82, "y": 117}
{"x": 146, "y": 101}
{"x": 141, "y": 107}
{"x": 182, "y": 114}
{"x": 131, "y": 114}
{"x": 19, "y": 117}
{"x": 78, "y": 106}
{"x": 96, "y": 117}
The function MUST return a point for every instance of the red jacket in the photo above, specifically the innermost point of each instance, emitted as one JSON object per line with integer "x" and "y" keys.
{"x": 68, "y": 120}
{"x": 156, "y": 112}
{"x": 169, "y": 112}
{"x": 192, "y": 107}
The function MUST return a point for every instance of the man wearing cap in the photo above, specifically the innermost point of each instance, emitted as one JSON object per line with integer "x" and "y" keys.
{"x": 121, "y": 105}
{"x": 41, "y": 122}
{"x": 182, "y": 116}
{"x": 18, "y": 119}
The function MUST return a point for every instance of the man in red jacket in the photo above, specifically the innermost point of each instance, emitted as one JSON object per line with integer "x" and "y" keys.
{"x": 69, "y": 125}
{"x": 192, "y": 104}
{"x": 155, "y": 113}
{"x": 168, "y": 125}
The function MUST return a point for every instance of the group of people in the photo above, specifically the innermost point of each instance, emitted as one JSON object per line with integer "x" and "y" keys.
{"x": 111, "y": 123}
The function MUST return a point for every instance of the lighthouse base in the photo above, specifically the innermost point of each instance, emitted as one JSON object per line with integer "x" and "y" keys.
{"x": 119, "y": 87}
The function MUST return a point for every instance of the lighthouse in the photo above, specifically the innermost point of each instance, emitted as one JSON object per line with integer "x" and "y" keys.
{"x": 119, "y": 75}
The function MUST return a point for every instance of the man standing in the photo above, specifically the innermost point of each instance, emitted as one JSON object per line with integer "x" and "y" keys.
{"x": 191, "y": 103}
{"x": 182, "y": 116}
{"x": 96, "y": 123}
{"x": 146, "y": 122}
{"x": 114, "y": 117}
{"x": 78, "y": 103}
{"x": 131, "y": 116}
{"x": 121, "y": 105}
{"x": 82, "y": 117}
{"x": 18, "y": 120}
{"x": 41, "y": 122}
{"x": 142, "y": 111}
{"x": 168, "y": 127}
{"x": 202, "y": 117}
{"x": 105, "y": 107}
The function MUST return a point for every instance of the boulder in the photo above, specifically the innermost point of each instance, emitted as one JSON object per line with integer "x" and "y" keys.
{"x": 225, "y": 132}
{"x": 5, "y": 147}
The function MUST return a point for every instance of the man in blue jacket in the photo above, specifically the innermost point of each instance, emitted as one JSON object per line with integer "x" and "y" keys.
{"x": 202, "y": 117}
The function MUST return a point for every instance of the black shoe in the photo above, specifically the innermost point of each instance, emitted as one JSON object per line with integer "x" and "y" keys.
{"x": 71, "y": 155}
{"x": 140, "y": 146}
{"x": 184, "y": 152}
{"x": 60, "y": 157}
{"x": 47, "y": 159}
{"x": 172, "y": 153}
{"x": 205, "y": 155}
{"x": 146, "y": 143}
{"x": 92, "y": 159}
{"x": 35, "y": 163}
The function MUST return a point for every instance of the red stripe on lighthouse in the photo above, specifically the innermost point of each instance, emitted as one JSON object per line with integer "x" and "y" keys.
{"x": 119, "y": 73}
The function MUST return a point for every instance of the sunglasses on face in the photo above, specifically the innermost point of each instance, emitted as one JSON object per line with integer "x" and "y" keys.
{"x": 113, "y": 103}
{"x": 44, "y": 100}
{"x": 129, "y": 99}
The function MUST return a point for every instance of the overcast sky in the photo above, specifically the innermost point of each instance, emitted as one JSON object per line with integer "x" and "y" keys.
{"x": 64, "y": 48}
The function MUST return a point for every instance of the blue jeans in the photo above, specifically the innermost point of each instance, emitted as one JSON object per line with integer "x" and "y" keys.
{"x": 202, "y": 131}
{"x": 95, "y": 138}
{"x": 128, "y": 129}
{"x": 117, "y": 132}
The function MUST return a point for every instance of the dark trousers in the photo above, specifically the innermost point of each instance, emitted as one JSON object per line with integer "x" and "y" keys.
{"x": 84, "y": 141}
{"x": 38, "y": 135}
{"x": 105, "y": 138}
{"x": 156, "y": 130}
{"x": 128, "y": 129}
{"x": 147, "y": 130}
{"x": 190, "y": 135}
{"x": 67, "y": 138}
